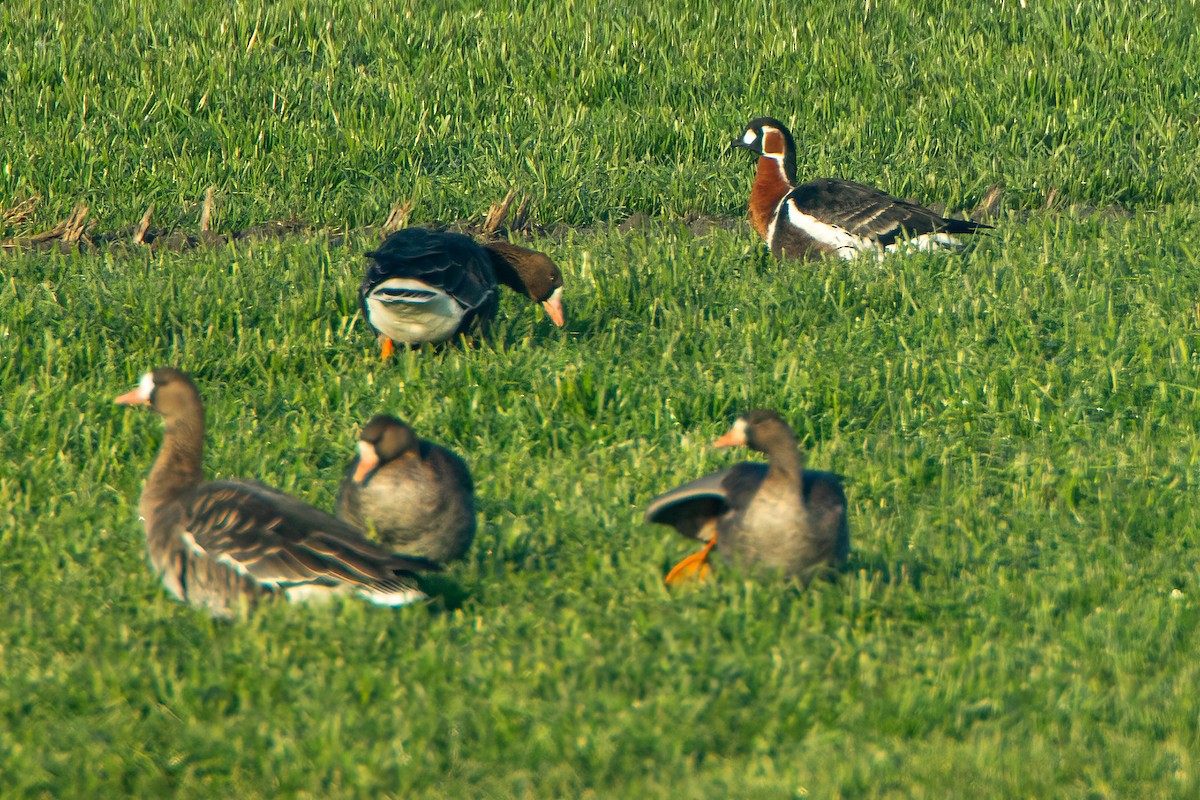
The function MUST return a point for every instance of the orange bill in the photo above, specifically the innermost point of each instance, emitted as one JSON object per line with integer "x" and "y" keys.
{"x": 133, "y": 397}
{"x": 554, "y": 307}
{"x": 734, "y": 437}
{"x": 368, "y": 460}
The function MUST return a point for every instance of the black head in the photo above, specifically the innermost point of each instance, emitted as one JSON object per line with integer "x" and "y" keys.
{"x": 767, "y": 137}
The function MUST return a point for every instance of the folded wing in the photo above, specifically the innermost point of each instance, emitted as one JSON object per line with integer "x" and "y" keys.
{"x": 281, "y": 542}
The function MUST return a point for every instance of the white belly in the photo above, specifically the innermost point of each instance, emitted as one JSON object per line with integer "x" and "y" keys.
{"x": 409, "y": 311}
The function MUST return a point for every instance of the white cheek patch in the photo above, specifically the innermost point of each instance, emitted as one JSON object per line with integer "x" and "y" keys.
{"x": 750, "y": 137}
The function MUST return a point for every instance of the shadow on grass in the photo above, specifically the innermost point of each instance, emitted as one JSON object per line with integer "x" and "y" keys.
{"x": 445, "y": 594}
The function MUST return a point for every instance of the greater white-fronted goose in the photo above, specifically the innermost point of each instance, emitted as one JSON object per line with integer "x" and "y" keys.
{"x": 831, "y": 216}
{"x": 416, "y": 496}
{"x": 223, "y": 544}
{"x": 427, "y": 286}
{"x": 776, "y": 515}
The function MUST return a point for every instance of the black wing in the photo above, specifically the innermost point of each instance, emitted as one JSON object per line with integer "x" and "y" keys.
{"x": 691, "y": 508}
{"x": 865, "y": 212}
{"x": 447, "y": 261}
{"x": 277, "y": 540}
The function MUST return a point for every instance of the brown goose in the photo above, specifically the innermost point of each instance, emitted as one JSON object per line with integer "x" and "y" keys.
{"x": 776, "y": 515}
{"x": 832, "y": 216}
{"x": 429, "y": 286}
{"x": 223, "y": 544}
{"x": 416, "y": 496}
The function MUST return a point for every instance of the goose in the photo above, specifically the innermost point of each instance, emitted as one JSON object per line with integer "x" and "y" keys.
{"x": 831, "y": 216}
{"x": 777, "y": 515}
{"x": 425, "y": 286}
{"x": 416, "y": 496}
{"x": 221, "y": 545}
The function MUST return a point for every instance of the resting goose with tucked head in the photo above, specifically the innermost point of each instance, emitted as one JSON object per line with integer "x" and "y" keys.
{"x": 221, "y": 544}
{"x": 776, "y": 515}
{"x": 427, "y": 286}
{"x": 831, "y": 216}
{"x": 417, "y": 496}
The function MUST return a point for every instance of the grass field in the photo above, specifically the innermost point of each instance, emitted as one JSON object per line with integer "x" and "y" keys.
{"x": 1018, "y": 423}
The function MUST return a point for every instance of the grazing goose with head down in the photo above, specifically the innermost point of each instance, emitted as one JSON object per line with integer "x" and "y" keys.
{"x": 222, "y": 544}
{"x": 416, "y": 496}
{"x": 427, "y": 286}
{"x": 776, "y": 515}
{"x": 831, "y": 216}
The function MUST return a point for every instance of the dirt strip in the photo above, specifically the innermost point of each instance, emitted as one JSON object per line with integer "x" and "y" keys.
{"x": 77, "y": 233}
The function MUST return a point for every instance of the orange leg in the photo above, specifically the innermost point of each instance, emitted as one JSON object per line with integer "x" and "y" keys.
{"x": 694, "y": 567}
{"x": 388, "y": 348}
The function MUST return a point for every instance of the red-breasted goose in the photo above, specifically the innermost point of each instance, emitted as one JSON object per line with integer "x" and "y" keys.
{"x": 776, "y": 515}
{"x": 221, "y": 544}
{"x": 427, "y": 286}
{"x": 831, "y": 216}
{"x": 417, "y": 496}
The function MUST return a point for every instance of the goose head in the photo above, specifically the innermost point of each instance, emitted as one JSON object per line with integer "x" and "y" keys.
{"x": 760, "y": 430}
{"x": 383, "y": 439}
{"x": 165, "y": 390}
{"x": 767, "y": 137}
{"x": 529, "y": 272}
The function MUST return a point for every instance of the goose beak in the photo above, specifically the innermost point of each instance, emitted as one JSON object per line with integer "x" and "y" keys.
{"x": 735, "y": 437}
{"x": 368, "y": 460}
{"x": 554, "y": 307}
{"x": 139, "y": 396}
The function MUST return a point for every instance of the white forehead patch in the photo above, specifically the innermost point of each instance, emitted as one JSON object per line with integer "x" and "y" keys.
{"x": 750, "y": 137}
{"x": 146, "y": 384}
{"x": 739, "y": 427}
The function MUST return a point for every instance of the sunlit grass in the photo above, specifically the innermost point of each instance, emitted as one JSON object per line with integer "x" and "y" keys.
{"x": 1018, "y": 423}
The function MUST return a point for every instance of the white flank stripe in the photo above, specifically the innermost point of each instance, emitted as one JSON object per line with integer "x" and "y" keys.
{"x": 400, "y": 598}
{"x": 849, "y": 246}
{"x": 925, "y": 243}
{"x": 845, "y": 243}
{"x": 313, "y": 593}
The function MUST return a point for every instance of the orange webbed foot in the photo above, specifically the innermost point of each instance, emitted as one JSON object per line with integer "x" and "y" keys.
{"x": 388, "y": 349}
{"x": 693, "y": 568}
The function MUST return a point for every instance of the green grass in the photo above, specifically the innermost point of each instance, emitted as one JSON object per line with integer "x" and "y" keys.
{"x": 331, "y": 111}
{"x": 1018, "y": 423}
